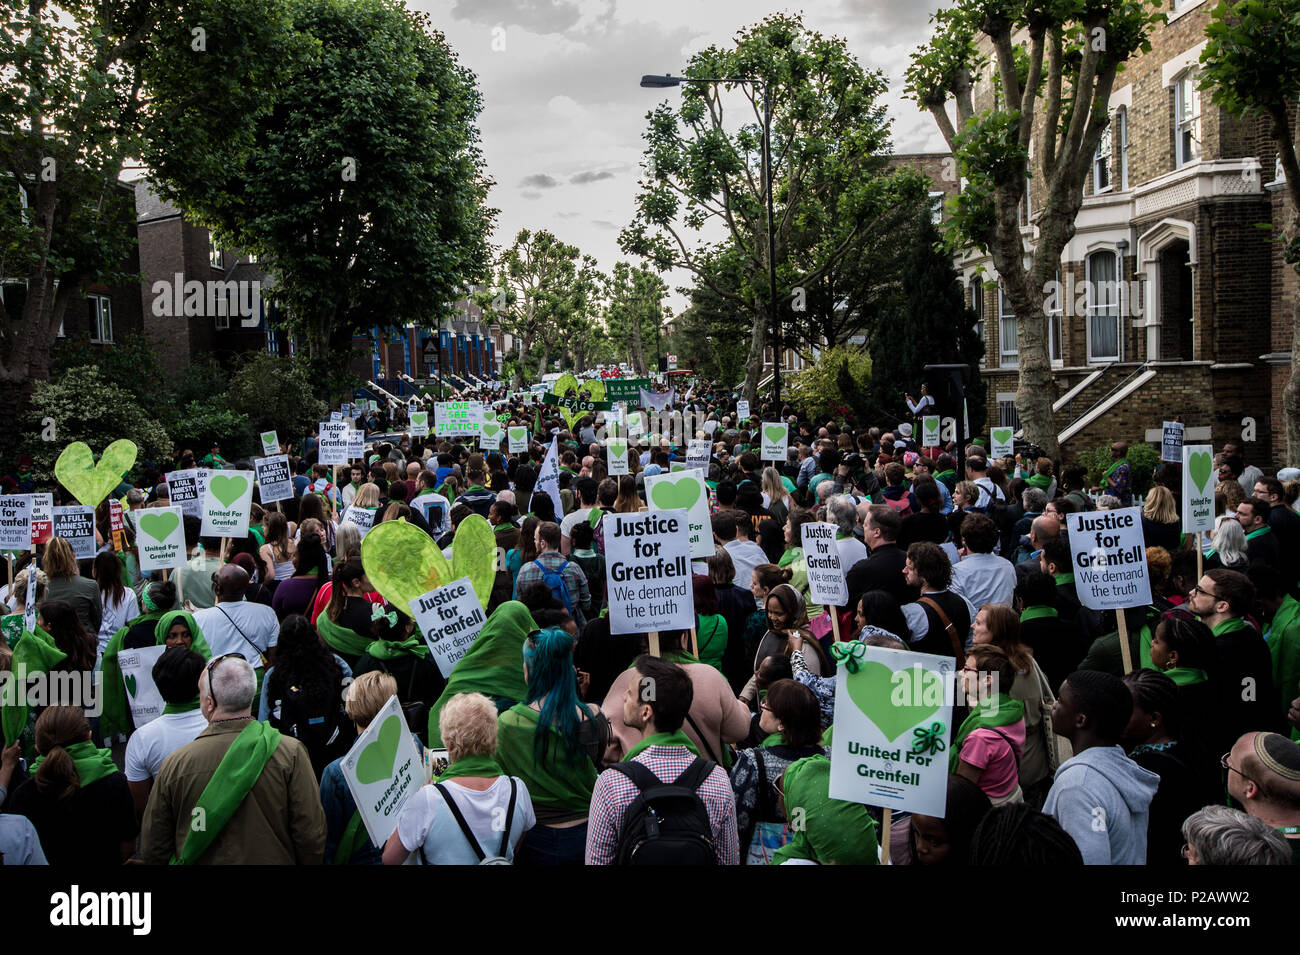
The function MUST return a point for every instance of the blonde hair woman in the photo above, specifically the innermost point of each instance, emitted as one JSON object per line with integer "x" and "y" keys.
{"x": 1160, "y": 522}
{"x": 347, "y": 844}
{"x": 776, "y": 497}
{"x": 367, "y": 496}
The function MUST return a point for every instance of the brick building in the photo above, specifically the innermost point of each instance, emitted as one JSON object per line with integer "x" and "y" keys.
{"x": 1172, "y": 302}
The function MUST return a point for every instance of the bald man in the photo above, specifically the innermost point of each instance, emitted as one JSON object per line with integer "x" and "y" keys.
{"x": 1264, "y": 777}
{"x": 236, "y": 626}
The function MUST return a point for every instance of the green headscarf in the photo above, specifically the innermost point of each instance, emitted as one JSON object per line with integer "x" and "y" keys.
{"x": 493, "y": 664}
{"x": 835, "y": 832}
{"x": 92, "y": 763}
{"x": 36, "y": 653}
{"x": 559, "y": 784}
{"x": 343, "y": 639}
{"x": 165, "y": 622}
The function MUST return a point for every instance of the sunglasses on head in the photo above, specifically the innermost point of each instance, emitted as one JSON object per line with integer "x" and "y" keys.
{"x": 211, "y": 668}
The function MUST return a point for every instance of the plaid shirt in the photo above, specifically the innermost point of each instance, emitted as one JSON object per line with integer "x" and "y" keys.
{"x": 574, "y": 580}
{"x": 614, "y": 792}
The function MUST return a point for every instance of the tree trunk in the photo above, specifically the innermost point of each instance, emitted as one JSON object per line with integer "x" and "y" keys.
{"x": 754, "y": 360}
{"x": 546, "y": 360}
{"x": 634, "y": 340}
{"x": 1291, "y": 393}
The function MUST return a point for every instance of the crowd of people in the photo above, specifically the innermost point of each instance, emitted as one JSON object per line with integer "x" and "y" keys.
{"x": 279, "y": 653}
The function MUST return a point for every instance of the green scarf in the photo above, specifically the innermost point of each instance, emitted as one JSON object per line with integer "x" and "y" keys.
{"x": 1283, "y": 639}
{"x": 1006, "y": 712}
{"x": 1186, "y": 676}
{"x": 1231, "y": 625}
{"x": 679, "y": 657}
{"x": 354, "y": 837}
{"x": 343, "y": 639}
{"x": 116, "y": 715}
{"x": 182, "y": 707}
{"x": 559, "y": 783}
{"x": 944, "y": 475}
{"x": 235, "y": 777}
{"x": 1258, "y": 533}
{"x": 492, "y": 665}
{"x": 92, "y": 763}
{"x": 1039, "y": 481}
{"x": 661, "y": 739}
{"x": 167, "y": 620}
{"x": 1038, "y": 613}
{"x": 1145, "y": 637}
{"x": 391, "y": 649}
{"x": 790, "y": 556}
{"x": 773, "y": 739}
{"x": 1113, "y": 468}
{"x": 1063, "y": 579}
{"x": 36, "y": 653}
{"x": 835, "y": 832}
{"x": 471, "y": 766}
{"x": 710, "y": 647}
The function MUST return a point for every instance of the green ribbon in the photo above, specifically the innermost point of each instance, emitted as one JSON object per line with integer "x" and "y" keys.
{"x": 471, "y": 766}
{"x": 389, "y": 649}
{"x": 929, "y": 741}
{"x": 1037, "y": 613}
{"x": 182, "y": 707}
{"x": 661, "y": 739}
{"x": 850, "y": 654}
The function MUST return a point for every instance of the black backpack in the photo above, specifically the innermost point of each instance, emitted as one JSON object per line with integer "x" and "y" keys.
{"x": 667, "y": 823}
{"x": 318, "y": 722}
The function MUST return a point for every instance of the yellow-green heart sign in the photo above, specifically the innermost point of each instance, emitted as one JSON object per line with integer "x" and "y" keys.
{"x": 593, "y": 389}
{"x": 682, "y": 493}
{"x": 90, "y": 482}
{"x": 375, "y": 763}
{"x": 403, "y": 562}
{"x": 873, "y": 688}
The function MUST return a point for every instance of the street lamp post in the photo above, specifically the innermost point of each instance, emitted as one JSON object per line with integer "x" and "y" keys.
{"x": 652, "y": 81}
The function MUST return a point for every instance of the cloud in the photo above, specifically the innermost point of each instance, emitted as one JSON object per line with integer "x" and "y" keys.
{"x": 540, "y": 181}
{"x": 603, "y": 224}
{"x": 531, "y": 195}
{"x": 535, "y": 16}
{"x": 568, "y": 215}
{"x": 582, "y": 178}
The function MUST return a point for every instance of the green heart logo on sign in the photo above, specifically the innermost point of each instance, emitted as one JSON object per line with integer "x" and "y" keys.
{"x": 670, "y": 495}
{"x": 491, "y": 430}
{"x": 872, "y": 690}
{"x": 931, "y": 426}
{"x": 159, "y": 526}
{"x": 774, "y": 433}
{"x": 420, "y": 418}
{"x": 129, "y": 680}
{"x": 91, "y": 482}
{"x": 618, "y": 448}
{"x": 593, "y": 390}
{"x": 403, "y": 562}
{"x": 1199, "y": 466}
{"x": 227, "y": 490}
{"x": 518, "y": 434}
{"x": 1001, "y": 435}
{"x": 375, "y": 764}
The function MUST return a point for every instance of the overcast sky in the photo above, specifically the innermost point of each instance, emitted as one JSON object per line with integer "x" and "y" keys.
{"x": 563, "y": 114}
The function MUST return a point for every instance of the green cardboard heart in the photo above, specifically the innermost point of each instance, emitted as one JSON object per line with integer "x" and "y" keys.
{"x": 227, "y": 488}
{"x": 491, "y": 430}
{"x": 403, "y": 562}
{"x": 1001, "y": 435}
{"x": 1199, "y": 467}
{"x": 670, "y": 495}
{"x": 931, "y": 425}
{"x": 774, "y": 433}
{"x": 129, "y": 680}
{"x": 159, "y": 526}
{"x": 474, "y": 555}
{"x": 618, "y": 448}
{"x": 91, "y": 482}
{"x": 518, "y": 434}
{"x": 594, "y": 390}
{"x": 420, "y": 418}
{"x": 872, "y": 690}
{"x": 375, "y": 764}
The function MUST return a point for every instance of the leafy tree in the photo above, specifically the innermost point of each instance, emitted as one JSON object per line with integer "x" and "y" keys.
{"x": 829, "y": 135}
{"x": 1054, "y": 87}
{"x": 1142, "y": 458}
{"x": 275, "y": 393}
{"x": 1251, "y": 67}
{"x": 357, "y": 174}
{"x": 928, "y": 323}
{"x": 713, "y": 333}
{"x": 132, "y": 363}
{"x": 209, "y": 419}
{"x": 835, "y": 386}
{"x": 87, "y": 407}
{"x": 634, "y": 312}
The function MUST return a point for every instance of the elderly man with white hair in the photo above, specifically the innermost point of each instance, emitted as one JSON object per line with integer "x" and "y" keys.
{"x": 241, "y": 793}
{"x": 842, "y": 511}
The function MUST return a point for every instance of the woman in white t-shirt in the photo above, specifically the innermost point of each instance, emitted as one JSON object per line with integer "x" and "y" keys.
{"x": 120, "y": 603}
{"x": 481, "y": 796}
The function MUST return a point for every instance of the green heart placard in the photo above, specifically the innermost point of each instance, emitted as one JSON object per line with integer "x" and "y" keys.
{"x": 1199, "y": 467}
{"x": 404, "y": 563}
{"x": 226, "y": 489}
{"x": 1001, "y": 436}
{"x": 872, "y": 690}
{"x": 617, "y": 448}
{"x": 593, "y": 390}
{"x": 670, "y": 495}
{"x": 159, "y": 526}
{"x": 375, "y": 764}
{"x": 420, "y": 418}
{"x": 129, "y": 680}
{"x": 90, "y": 481}
{"x": 491, "y": 432}
{"x": 931, "y": 425}
{"x": 774, "y": 433}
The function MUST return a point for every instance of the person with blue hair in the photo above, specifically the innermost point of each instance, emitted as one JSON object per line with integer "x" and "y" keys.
{"x": 555, "y": 744}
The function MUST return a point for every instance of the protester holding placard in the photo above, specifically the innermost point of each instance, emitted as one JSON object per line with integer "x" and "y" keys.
{"x": 176, "y": 676}
{"x": 555, "y": 744}
{"x": 301, "y": 695}
{"x": 66, "y": 583}
{"x": 396, "y": 648}
{"x": 76, "y": 797}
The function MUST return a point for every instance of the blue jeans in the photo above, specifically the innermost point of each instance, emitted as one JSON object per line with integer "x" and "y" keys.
{"x": 544, "y": 845}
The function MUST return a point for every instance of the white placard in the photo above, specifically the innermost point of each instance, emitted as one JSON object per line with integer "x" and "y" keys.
{"x": 635, "y": 424}
{"x": 226, "y": 504}
{"x": 698, "y": 452}
{"x": 1171, "y": 442}
{"x": 889, "y": 715}
{"x": 76, "y": 525}
{"x": 336, "y": 417}
{"x": 548, "y": 478}
{"x": 452, "y": 418}
{"x": 186, "y": 489}
{"x": 270, "y": 444}
{"x": 160, "y": 538}
{"x": 1109, "y": 559}
{"x": 490, "y": 435}
{"x": 356, "y": 445}
{"x": 826, "y": 583}
{"x": 773, "y": 443}
{"x": 1002, "y": 442}
{"x": 29, "y": 605}
{"x": 363, "y": 517}
{"x": 419, "y": 426}
{"x": 274, "y": 479}
{"x": 332, "y": 443}
{"x": 930, "y": 425}
{"x": 1198, "y": 488}
{"x": 686, "y": 490}
{"x": 142, "y": 694}
{"x": 16, "y": 522}
{"x": 518, "y": 440}
{"x": 742, "y": 411}
{"x": 616, "y": 462}
{"x": 382, "y": 769}
{"x": 42, "y": 518}
{"x": 648, "y": 572}
{"x": 449, "y": 618}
